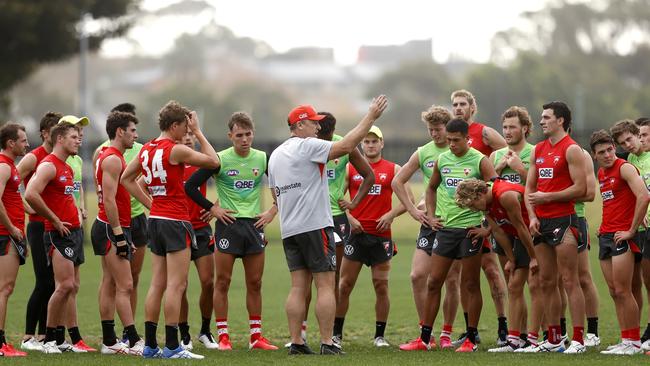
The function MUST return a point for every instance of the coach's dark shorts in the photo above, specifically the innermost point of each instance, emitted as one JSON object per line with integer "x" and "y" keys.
{"x": 167, "y": 236}
{"x": 426, "y": 237}
{"x": 313, "y": 250}
{"x": 7, "y": 241}
{"x": 204, "y": 242}
{"x": 139, "y": 231}
{"x": 341, "y": 229}
{"x": 102, "y": 237}
{"x": 368, "y": 249}
{"x": 522, "y": 259}
{"x": 70, "y": 246}
{"x": 453, "y": 243}
{"x": 241, "y": 238}
{"x": 608, "y": 248}
{"x": 584, "y": 241}
{"x": 553, "y": 230}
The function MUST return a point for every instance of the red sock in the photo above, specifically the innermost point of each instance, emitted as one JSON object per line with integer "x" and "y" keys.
{"x": 532, "y": 338}
{"x": 632, "y": 334}
{"x": 554, "y": 334}
{"x": 255, "y": 323}
{"x": 578, "y": 334}
{"x": 222, "y": 328}
{"x": 446, "y": 331}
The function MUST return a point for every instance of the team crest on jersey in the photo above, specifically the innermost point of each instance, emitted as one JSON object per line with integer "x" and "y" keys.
{"x": 232, "y": 172}
{"x": 469, "y": 142}
{"x": 467, "y": 171}
{"x": 556, "y": 159}
{"x": 446, "y": 170}
{"x": 539, "y": 161}
{"x": 16, "y": 178}
{"x": 430, "y": 164}
{"x": 69, "y": 252}
{"x": 256, "y": 171}
{"x": 357, "y": 177}
{"x": 612, "y": 180}
{"x": 383, "y": 176}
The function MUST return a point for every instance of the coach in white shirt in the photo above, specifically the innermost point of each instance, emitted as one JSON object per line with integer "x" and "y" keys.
{"x": 296, "y": 174}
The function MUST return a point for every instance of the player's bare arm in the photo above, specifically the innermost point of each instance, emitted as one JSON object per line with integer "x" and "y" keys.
{"x": 363, "y": 168}
{"x": 590, "y": 180}
{"x": 430, "y": 200}
{"x": 205, "y": 158}
{"x": 510, "y": 201}
{"x": 5, "y": 174}
{"x": 636, "y": 184}
{"x": 399, "y": 187}
{"x": 44, "y": 174}
{"x": 531, "y": 187}
{"x": 384, "y": 222}
{"x": 493, "y": 139}
{"x": 128, "y": 180}
{"x": 354, "y": 137}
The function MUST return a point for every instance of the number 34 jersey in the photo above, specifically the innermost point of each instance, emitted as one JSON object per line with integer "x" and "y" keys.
{"x": 164, "y": 180}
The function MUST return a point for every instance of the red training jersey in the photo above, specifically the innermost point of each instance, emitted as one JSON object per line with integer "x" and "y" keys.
{"x": 164, "y": 180}
{"x": 40, "y": 153}
{"x": 11, "y": 197}
{"x": 122, "y": 197}
{"x": 192, "y": 207}
{"x": 618, "y": 199}
{"x": 379, "y": 198}
{"x": 496, "y": 210}
{"x": 552, "y": 171}
{"x": 57, "y": 194}
{"x": 475, "y": 133}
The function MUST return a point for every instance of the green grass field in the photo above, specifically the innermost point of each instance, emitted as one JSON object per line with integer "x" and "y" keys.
{"x": 359, "y": 324}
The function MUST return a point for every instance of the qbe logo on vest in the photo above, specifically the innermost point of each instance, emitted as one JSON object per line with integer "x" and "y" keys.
{"x": 375, "y": 190}
{"x": 545, "y": 173}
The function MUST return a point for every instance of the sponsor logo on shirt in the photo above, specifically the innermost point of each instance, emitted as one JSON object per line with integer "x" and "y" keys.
{"x": 514, "y": 178}
{"x": 63, "y": 178}
{"x": 331, "y": 174}
{"x": 77, "y": 186}
{"x": 243, "y": 185}
{"x": 375, "y": 190}
{"x": 430, "y": 164}
{"x": 607, "y": 195}
{"x": 445, "y": 170}
{"x": 285, "y": 188}
{"x": 545, "y": 173}
{"x": 453, "y": 182}
{"x": 232, "y": 172}
{"x": 357, "y": 177}
{"x": 539, "y": 161}
{"x": 157, "y": 191}
{"x": 68, "y": 190}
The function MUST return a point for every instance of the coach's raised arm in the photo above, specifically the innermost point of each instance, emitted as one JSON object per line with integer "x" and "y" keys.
{"x": 354, "y": 137}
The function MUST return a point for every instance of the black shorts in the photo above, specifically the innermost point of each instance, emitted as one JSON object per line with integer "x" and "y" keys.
{"x": 453, "y": 243}
{"x": 553, "y": 230}
{"x": 204, "y": 242}
{"x": 426, "y": 238}
{"x": 102, "y": 237}
{"x": 168, "y": 236}
{"x": 70, "y": 246}
{"x": 608, "y": 248}
{"x": 7, "y": 241}
{"x": 341, "y": 229}
{"x": 522, "y": 259}
{"x": 241, "y": 238}
{"x": 139, "y": 232}
{"x": 584, "y": 241}
{"x": 368, "y": 249}
{"x": 312, "y": 250}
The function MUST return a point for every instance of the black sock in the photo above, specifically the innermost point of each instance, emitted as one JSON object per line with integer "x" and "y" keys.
{"x": 205, "y": 325}
{"x": 338, "y": 327}
{"x": 171, "y": 337}
{"x": 545, "y": 333}
{"x": 646, "y": 334}
{"x": 592, "y": 325}
{"x": 50, "y": 334}
{"x": 523, "y": 337}
{"x": 132, "y": 335}
{"x": 123, "y": 333}
{"x": 563, "y": 325}
{"x": 471, "y": 334}
{"x": 184, "y": 328}
{"x": 425, "y": 334}
{"x": 2, "y": 337}
{"x": 108, "y": 332}
{"x": 60, "y": 334}
{"x": 380, "y": 327}
{"x": 503, "y": 323}
{"x": 75, "y": 335}
{"x": 465, "y": 315}
{"x": 150, "y": 334}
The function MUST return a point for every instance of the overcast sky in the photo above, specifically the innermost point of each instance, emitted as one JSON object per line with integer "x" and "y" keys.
{"x": 458, "y": 28}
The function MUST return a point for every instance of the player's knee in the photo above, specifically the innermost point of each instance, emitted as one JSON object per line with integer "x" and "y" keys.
{"x": 472, "y": 286}
{"x": 515, "y": 288}
{"x": 7, "y": 289}
{"x": 223, "y": 283}
{"x": 254, "y": 284}
{"x": 434, "y": 284}
{"x": 66, "y": 287}
{"x": 418, "y": 277}
{"x": 381, "y": 287}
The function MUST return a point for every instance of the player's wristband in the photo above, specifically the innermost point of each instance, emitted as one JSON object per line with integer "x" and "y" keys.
{"x": 120, "y": 237}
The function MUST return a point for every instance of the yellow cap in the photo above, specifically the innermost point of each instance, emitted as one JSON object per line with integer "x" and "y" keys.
{"x": 82, "y": 121}
{"x": 376, "y": 131}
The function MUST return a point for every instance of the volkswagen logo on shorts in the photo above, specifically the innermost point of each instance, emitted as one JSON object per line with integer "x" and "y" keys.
{"x": 435, "y": 243}
{"x": 423, "y": 242}
{"x": 349, "y": 249}
{"x": 224, "y": 243}
{"x": 69, "y": 252}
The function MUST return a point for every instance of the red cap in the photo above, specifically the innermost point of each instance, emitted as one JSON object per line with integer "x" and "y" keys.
{"x": 303, "y": 112}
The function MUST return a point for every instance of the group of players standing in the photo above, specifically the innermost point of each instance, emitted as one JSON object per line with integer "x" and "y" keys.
{"x": 532, "y": 227}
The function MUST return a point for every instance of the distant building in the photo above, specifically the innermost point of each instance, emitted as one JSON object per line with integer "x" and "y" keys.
{"x": 396, "y": 54}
